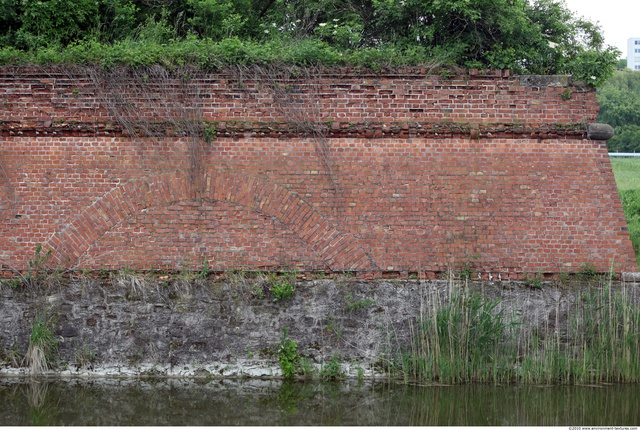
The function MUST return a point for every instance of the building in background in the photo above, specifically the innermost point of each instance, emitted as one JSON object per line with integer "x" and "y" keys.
{"x": 633, "y": 53}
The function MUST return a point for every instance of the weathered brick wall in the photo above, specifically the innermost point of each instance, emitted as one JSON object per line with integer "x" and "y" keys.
{"x": 404, "y": 173}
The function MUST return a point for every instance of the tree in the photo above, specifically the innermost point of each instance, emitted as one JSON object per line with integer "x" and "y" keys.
{"x": 9, "y": 21}
{"x": 53, "y": 22}
{"x": 619, "y": 101}
{"x": 542, "y": 37}
{"x": 526, "y": 36}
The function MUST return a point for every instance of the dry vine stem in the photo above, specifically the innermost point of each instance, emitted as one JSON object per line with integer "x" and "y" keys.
{"x": 296, "y": 97}
{"x": 151, "y": 103}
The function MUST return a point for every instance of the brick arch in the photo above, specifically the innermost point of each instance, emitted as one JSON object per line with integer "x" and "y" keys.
{"x": 339, "y": 250}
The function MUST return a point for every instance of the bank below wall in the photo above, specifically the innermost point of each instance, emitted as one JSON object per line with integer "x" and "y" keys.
{"x": 238, "y": 326}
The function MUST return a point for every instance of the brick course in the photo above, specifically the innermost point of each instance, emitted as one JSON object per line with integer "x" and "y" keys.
{"x": 403, "y": 172}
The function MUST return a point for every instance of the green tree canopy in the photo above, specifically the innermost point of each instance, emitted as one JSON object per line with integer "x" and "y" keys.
{"x": 619, "y": 101}
{"x": 526, "y": 36}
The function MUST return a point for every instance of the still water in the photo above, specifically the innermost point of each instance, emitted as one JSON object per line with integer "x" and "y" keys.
{"x": 268, "y": 402}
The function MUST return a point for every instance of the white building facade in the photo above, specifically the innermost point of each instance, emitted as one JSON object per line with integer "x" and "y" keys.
{"x": 633, "y": 53}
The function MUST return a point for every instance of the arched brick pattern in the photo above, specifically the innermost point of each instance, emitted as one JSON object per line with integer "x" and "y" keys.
{"x": 339, "y": 250}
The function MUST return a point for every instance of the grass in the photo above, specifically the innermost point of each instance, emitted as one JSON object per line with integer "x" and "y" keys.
{"x": 627, "y": 173}
{"x": 207, "y": 54}
{"x": 464, "y": 336}
{"x": 459, "y": 338}
{"x": 43, "y": 345}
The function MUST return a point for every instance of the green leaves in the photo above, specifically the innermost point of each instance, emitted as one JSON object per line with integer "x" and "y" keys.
{"x": 619, "y": 100}
{"x": 539, "y": 37}
{"x": 288, "y": 357}
{"x": 52, "y": 22}
{"x": 216, "y": 19}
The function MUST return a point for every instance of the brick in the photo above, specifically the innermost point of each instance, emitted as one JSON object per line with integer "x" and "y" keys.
{"x": 407, "y": 172}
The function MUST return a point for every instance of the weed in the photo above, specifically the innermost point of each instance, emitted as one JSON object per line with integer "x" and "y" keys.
{"x": 11, "y": 356}
{"x": 587, "y": 272}
{"x": 445, "y": 74}
{"x": 357, "y": 304}
{"x": 204, "y": 273}
{"x": 251, "y": 284}
{"x": 209, "y": 132}
{"x": 43, "y": 345}
{"x": 467, "y": 267}
{"x": 133, "y": 283}
{"x": 347, "y": 274}
{"x": 13, "y": 283}
{"x": 257, "y": 291}
{"x": 266, "y": 352}
{"x": 535, "y": 281}
{"x": 281, "y": 286}
{"x": 250, "y": 353}
{"x": 306, "y": 367}
{"x": 332, "y": 370}
{"x": 288, "y": 357}
{"x": 567, "y": 94}
{"x": 85, "y": 356}
{"x": 39, "y": 274}
{"x": 333, "y": 328}
{"x": 563, "y": 277}
{"x": 465, "y": 272}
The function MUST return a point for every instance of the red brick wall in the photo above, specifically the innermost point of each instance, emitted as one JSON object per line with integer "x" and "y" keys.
{"x": 405, "y": 172}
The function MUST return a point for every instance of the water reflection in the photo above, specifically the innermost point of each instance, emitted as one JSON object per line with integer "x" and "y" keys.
{"x": 269, "y": 402}
{"x": 43, "y": 408}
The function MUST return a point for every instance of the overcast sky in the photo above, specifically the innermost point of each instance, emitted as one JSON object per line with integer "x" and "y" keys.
{"x": 619, "y": 19}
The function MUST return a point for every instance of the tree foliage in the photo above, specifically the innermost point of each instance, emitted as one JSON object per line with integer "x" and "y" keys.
{"x": 619, "y": 101}
{"x": 526, "y": 36}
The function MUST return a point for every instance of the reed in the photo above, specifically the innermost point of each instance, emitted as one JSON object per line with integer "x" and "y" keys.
{"x": 466, "y": 336}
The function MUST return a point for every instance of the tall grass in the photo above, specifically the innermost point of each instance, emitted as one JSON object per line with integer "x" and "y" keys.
{"x": 461, "y": 336}
{"x": 43, "y": 345}
{"x": 466, "y": 336}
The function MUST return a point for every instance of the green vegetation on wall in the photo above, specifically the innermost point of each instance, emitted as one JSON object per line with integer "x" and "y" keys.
{"x": 535, "y": 37}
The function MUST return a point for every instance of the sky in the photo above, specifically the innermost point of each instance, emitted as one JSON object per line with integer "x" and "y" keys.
{"x": 619, "y": 19}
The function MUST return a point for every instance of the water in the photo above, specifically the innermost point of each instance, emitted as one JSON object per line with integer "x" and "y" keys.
{"x": 112, "y": 402}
